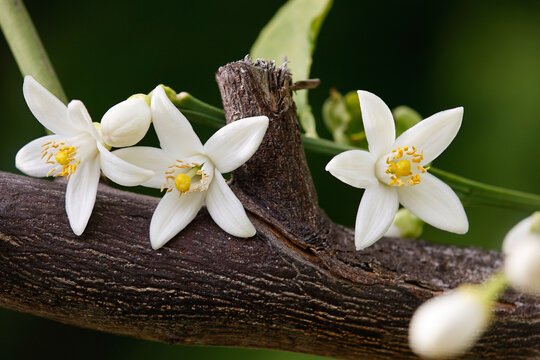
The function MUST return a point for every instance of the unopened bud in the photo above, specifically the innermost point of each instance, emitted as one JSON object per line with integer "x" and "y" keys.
{"x": 406, "y": 225}
{"x": 521, "y": 248}
{"x": 449, "y": 325}
{"x": 126, "y": 123}
{"x": 405, "y": 118}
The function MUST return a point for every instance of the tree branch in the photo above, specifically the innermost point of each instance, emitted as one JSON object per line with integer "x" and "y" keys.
{"x": 298, "y": 285}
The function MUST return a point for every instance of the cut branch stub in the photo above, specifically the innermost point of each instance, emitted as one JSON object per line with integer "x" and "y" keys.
{"x": 275, "y": 183}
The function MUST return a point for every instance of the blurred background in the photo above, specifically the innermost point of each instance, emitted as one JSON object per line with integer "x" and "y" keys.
{"x": 431, "y": 56}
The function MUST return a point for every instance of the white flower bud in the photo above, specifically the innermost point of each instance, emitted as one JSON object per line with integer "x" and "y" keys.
{"x": 406, "y": 225}
{"x": 449, "y": 325}
{"x": 522, "y": 267}
{"x": 126, "y": 123}
{"x": 521, "y": 247}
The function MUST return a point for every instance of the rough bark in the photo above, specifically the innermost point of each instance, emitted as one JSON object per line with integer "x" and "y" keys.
{"x": 298, "y": 285}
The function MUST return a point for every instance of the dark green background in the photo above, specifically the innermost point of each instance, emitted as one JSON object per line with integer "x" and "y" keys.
{"x": 483, "y": 55}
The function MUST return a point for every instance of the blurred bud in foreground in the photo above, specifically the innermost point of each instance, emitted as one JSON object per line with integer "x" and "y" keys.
{"x": 521, "y": 248}
{"x": 449, "y": 325}
{"x": 405, "y": 118}
{"x": 406, "y": 225}
{"x": 126, "y": 123}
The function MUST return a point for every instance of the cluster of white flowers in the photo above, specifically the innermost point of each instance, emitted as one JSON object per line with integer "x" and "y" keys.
{"x": 191, "y": 172}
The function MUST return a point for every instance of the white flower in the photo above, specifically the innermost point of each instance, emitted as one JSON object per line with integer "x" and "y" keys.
{"x": 191, "y": 172}
{"x": 449, "y": 325}
{"x": 394, "y": 171}
{"x": 126, "y": 123}
{"x": 521, "y": 247}
{"x": 76, "y": 151}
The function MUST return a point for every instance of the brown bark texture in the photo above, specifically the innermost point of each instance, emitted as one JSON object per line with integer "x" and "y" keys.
{"x": 297, "y": 285}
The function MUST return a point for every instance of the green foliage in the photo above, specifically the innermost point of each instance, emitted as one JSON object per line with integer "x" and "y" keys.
{"x": 336, "y": 117}
{"x": 292, "y": 34}
{"x": 405, "y": 118}
{"x": 343, "y": 118}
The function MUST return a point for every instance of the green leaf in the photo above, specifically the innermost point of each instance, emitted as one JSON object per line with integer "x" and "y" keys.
{"x": 292, "y": 33}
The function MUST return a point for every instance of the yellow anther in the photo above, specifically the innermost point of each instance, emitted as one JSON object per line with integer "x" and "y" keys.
{"x": 182, "y": 182}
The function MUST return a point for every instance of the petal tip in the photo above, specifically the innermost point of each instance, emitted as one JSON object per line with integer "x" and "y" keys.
{"x": 329, "y": 166}
{"x": 364, "y": 95}
{"x": 361, "y": 242}
{"x": 158, "y": 92}
{"x": 157, "y": 241}
{"x": 77, "y": 229}
{"x": 462, "y": 228}
{"x": 457, "y": 112}
{"x": 247, "y": 233}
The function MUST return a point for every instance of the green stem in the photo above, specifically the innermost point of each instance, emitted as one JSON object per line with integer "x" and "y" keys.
{"x": 471, "y": 192}
{"x": 476, "y": 193}
{"x": 202, "y": 118}
{"x": 26, "y": 46}
{"x": 187, "y": 101}
{"x": 494, "y": 286}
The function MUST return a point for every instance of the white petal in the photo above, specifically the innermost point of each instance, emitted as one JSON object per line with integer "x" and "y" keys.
{"x": 80, "y": 118}
{"x": 173, "y": 129}
{"x": 226, "y": 210}
{"x": 233, "y": 145}
{"x": 28, "y": 159}
{"x": 354, "y": 167}
{"x": 519, "y": 234}
{"x": 378, "y": 123}
{"x": 172, "y": 215}
{"x": 81, "y": 194}
{"x": 434, "y": 134}
{"x": 375, "y": 215}
{"x": 121, "y": 171}
{"x": 435, "y": 203}
{"x": 149, "y": 158}
{"x": 46, "y": 107}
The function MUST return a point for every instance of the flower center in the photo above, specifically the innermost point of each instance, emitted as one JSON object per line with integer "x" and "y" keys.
{"x": 185, "y": 177}
{"x": 182, "y": 182}
{"x": 63, "y": 156}
{"x": 403, "y": 166}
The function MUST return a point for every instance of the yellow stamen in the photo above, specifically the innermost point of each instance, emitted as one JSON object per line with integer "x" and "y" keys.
{"x": 182, "y": 182}
{"x": 403, "y": 166}
{"x": 64, "y": 156}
